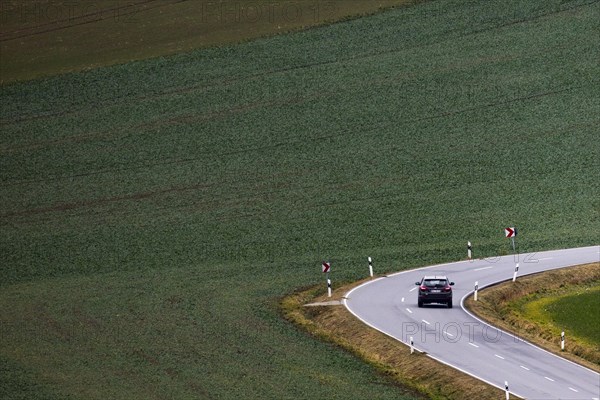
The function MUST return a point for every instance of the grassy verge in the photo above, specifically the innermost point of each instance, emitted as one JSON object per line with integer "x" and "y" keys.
{"x": 334, "y": 324}
{"x": 539, "y": 307}
{"x": 41, "y": 37}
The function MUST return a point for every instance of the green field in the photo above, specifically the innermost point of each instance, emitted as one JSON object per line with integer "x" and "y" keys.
{"x": 152, "y": 214}
{"x": 575, "y": 313}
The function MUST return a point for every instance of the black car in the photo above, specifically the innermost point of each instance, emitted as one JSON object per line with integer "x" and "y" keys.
{"x": 435, "y": 289}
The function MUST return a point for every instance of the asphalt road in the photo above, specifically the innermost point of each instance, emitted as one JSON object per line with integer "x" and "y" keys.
{"x": 459, "y": 339}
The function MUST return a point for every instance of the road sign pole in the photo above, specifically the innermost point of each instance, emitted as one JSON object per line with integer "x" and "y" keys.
{"x": 513, "y": 243}
{"x": 370, "y": 267}
{"x": 326, "y": 267}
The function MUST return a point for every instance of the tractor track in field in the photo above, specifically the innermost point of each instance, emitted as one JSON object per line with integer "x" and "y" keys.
{"x": 250, "y": 196}
{"x": 89, "y": 18}
{"x": 175, "y": 120}
{"x": 100, "y": 202}
{"x": 219, "y": 81}
{"x": 202, "y": 157}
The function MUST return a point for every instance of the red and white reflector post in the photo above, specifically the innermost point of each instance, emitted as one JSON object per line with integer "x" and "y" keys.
{"x": 475, "y": 292}
{"x": 562, "y": 341}
{"x": 516, "y": 271}
{"x": 370, "y": 267}
{"x": 506, "y": 390}
{"x": 469, "y": 251}
{"x": 412, "y": 345}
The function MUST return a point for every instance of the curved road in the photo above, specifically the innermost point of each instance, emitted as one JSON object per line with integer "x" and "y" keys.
{"x": 457, "y": 338}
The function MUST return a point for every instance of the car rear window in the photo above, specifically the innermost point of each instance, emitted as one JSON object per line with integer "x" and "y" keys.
{"x": 434, "y": 282}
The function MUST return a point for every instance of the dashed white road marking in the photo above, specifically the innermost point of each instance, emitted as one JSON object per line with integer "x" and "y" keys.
{"x": 426, "y": 322}
{"x": 413, "y": 289}
{"x": 546, "y": 258}
{"x": 574, "y": 390}
{"x": 525, "y": 368}
{"x": 482, "y": 268}
{"x": 473, "y": 344}
{"x": 408, "y": 309}
{"x": 448, "y": 333}
{"x": 550, "y": 379}
{"x": 500, "y": 357}
{"x": 402, "y": 300}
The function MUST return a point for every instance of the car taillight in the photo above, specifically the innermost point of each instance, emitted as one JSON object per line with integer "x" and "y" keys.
{"x": 423, "y": 288}
{"x": 447, "y": 288}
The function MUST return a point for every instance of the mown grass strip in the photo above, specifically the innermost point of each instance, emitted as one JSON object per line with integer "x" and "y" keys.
{"x": 578, "y": 312}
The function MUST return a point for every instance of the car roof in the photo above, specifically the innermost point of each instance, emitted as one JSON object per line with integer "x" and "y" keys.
{"x": 437, "y": 277}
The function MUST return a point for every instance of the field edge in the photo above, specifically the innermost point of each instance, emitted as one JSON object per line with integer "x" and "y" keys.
{"x": 334, "y": 324}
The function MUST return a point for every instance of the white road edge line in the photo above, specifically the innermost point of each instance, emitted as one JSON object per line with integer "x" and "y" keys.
{"x": 462, "y": 305}
{"x": 475, "y": 376}
{"x": 345, "y": 302}
{"x": 525, "y": 368}
{"x": 474, "y": 345}
{"x": 550, "y": 379}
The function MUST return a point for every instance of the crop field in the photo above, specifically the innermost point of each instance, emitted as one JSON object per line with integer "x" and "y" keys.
{"x": 49, "y": 37}
{"x": 152, "y": 214}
